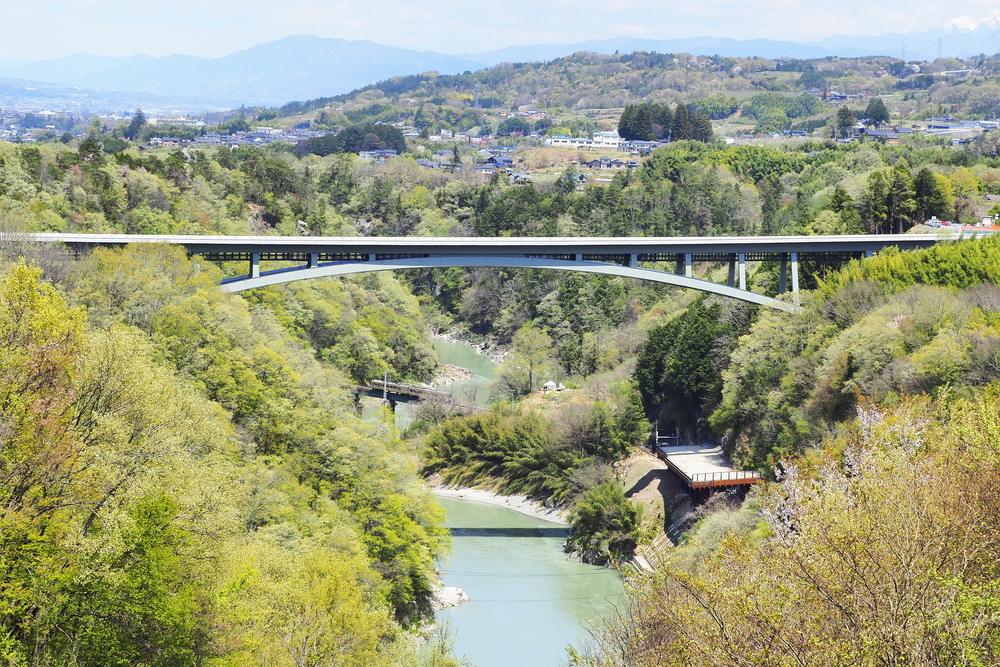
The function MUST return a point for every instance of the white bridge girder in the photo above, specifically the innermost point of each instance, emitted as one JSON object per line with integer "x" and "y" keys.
{"x": 332, "y": 269}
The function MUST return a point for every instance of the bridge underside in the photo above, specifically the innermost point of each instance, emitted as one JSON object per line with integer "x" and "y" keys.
{"x": 625, "y": 266}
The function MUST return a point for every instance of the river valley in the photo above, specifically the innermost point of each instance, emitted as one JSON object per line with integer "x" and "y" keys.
{"x": 527, "y": 602}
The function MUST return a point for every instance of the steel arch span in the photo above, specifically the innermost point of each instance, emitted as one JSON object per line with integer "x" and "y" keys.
{"x": 319, "y": 257}
{"x": 333, "y": 269}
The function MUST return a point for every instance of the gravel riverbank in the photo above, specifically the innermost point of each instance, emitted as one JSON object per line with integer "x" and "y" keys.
{"x": 521, "y": 504}
{"x": 493, "y": 351}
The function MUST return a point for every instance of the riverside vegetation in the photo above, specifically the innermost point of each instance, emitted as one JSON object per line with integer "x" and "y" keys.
{"x": 875, "y": 543}
{"x": 185, "y": 480}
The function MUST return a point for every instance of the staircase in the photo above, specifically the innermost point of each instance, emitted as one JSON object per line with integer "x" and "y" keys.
{"x": 648, "y": 557}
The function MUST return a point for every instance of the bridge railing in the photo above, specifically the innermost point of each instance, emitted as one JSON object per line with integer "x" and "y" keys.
{"x": 709, "y": 479}
{"x": 726, "y": 476}
{"x": 396, "y": 388}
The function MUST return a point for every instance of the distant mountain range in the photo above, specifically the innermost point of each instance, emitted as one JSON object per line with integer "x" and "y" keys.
{"x": 962, "y": 37}
{"x": 305, "y": 67}
{"x": 292, "y": 68}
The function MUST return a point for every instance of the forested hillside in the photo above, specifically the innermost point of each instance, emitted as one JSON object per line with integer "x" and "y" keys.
{"x": 875, "y": 411}
{"x": 772, "y": 94}
{"x": 187, "y": 481}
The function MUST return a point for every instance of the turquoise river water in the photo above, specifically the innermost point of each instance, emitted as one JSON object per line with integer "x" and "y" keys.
{"x": 527, "y": 602}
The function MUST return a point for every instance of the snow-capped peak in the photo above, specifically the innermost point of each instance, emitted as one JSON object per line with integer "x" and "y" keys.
{"x": 963, "y": 24}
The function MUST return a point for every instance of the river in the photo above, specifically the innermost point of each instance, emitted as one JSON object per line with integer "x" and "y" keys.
{"x": 472, "y": 390}
{"x": 527, "y": 602}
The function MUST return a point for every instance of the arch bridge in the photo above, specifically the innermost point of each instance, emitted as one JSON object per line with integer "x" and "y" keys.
{"x": 319, "y": 257}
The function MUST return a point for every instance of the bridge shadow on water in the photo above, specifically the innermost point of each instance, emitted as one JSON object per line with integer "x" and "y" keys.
{"x": 510, "y": 532}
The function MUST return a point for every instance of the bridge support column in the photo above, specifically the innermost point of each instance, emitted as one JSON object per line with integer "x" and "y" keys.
{"x": 371, "y": 257}
{"x": 743, "y": 270}
{"x": 732, "y": 271}
{"x": 313, "y": 260}
{"x": 633, "y": 261}
{"x": 687, "y": 265}
{"x": 783, "y": 274}
{"x": 255, "y": 265}
{"x": 577, "y": 257}
{"x": 392, "y": 406}
{"x": 869, "y": 254}
{"x": 795, "y": 274}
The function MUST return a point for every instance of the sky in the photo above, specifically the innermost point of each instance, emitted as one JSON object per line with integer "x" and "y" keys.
{"x": 44, "y": 29}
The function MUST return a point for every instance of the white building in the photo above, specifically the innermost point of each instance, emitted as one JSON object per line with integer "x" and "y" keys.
{"x": 607, "y": 141}
{"x": 566, "y": 141}
{"x": 602, "y": 141}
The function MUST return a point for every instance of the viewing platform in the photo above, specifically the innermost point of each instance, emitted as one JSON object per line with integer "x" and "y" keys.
{"x": 704, "y": 468}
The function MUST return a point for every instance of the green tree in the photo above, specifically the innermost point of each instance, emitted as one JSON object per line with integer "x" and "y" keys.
{"x": 683, "y": 124}
{"x": 134, "y": 128}
{"x": 626, "y": 123}
{"x": 845, "y": 121}
{"x": 929, "y": 198}
{"x": 604, "y": 525}
{"x": 530, "y": 362}
{"x": 876, "y": 112}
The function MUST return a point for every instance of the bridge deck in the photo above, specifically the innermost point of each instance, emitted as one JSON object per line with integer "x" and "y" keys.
{"x": 669, "y": 260}
{"x": 701, "y": 467}
{"x": 408, "y": 246}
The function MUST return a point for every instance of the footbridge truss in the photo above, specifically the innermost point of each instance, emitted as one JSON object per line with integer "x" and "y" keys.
{"x": 320, "y": 257}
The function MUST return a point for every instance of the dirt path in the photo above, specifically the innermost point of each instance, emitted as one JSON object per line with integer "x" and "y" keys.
{"x": 648, "y": 481}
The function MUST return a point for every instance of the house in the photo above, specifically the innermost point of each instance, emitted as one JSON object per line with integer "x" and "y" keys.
{"x": 485, "y": 169}
{"x": 883, "y": 135}
{"x": 499, "y": 161}
{"x": 520, "y": 179}
{"x": 380, "y": 155}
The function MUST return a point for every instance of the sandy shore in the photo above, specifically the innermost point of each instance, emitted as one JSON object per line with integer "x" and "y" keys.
{"x": 521, "y": 504}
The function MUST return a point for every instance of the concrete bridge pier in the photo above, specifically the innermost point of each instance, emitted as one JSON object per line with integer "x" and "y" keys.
{"x": 795, "y": 274}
